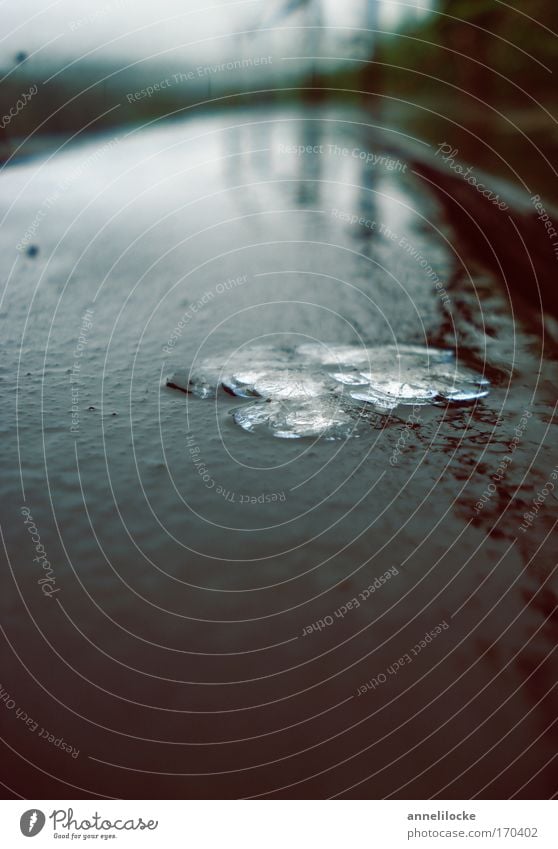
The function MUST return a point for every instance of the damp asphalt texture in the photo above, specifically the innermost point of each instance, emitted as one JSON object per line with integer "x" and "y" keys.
{"x": 216, "y": 620}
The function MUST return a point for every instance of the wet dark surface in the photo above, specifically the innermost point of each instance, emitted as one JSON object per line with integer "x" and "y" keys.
{"x": 173, "y": 646}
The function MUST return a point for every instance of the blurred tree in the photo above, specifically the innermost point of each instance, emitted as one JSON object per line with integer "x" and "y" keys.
{"x": 313, "y": 23}
{"x": 519, "y": 43}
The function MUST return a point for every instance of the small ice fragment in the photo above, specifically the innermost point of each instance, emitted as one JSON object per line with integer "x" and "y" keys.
{"x": 242, "y": 383}
{"x": 379, "y": 402}
{"x": 296, "y": 419}
{"x": 289, "y": 384}
{"x": 403, "y": 392}
{"x": 182, "y": 380}
{"x": 349, "y": 378}
{"x": 463, "y": 394}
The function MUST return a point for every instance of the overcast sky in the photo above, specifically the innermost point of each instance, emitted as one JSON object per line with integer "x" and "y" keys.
{"x": 128, "y": 29}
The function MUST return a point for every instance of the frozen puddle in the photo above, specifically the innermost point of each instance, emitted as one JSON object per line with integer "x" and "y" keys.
{"x": 333, "y": 391}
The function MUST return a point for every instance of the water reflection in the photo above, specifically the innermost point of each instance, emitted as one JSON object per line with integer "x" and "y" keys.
{"x": 197, "y": 557}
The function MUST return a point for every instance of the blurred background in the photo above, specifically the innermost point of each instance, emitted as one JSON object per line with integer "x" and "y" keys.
{"x": 482, "y": 63}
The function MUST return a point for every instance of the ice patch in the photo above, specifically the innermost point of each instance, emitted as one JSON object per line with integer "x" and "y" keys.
{"x": 331, "y": 391}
